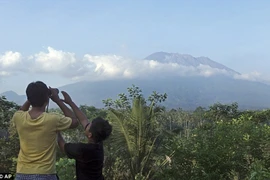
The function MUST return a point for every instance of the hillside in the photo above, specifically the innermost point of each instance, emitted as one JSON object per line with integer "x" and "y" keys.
{"x": 184, "y": 92}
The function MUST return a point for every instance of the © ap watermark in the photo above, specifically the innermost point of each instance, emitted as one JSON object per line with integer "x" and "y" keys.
{"x": 6, "y": 176}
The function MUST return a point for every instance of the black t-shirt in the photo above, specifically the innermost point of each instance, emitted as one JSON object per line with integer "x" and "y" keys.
{"x": 89, "y": 160}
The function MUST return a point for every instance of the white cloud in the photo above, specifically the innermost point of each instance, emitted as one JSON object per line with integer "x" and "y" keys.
{"x": 10, "y": 62}
{"x": 107, "y": 65}
{"x": 112, "y": 66}
{"x": 53, "y": 61}
{"x": 9, "y": 59}
{"x": 253, "y": 76}
{"x": 89, "y": 67}
{"x": 207, "y": 71}
{"x": 100, "y": 67}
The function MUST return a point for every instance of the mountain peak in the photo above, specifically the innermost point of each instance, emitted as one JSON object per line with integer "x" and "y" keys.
{"x": 158, "y": 56}
{"x": 162, "y": 54}
{"x": 187, "y": 60}
{"x": 9, "y": 93}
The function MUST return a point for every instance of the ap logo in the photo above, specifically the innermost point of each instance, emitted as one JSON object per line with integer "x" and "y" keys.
{"x": 6, "y": 176}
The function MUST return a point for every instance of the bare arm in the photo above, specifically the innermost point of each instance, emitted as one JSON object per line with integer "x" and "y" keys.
{"x": 61, "y": 142}
{"x": 67, "y": 112}
{"x": 25, "y": 106}
{"x": 79, "y": 114}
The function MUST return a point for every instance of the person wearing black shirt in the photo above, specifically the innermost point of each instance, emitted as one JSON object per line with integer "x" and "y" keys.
{"x": 89, "y": 156}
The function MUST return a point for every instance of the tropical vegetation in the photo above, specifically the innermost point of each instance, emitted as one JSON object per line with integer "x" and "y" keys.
{"x": 151, "y": 142}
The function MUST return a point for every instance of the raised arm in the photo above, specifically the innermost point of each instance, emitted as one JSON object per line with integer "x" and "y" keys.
{"x": 67, "y": 112}
{"x": 80, "y": 115}
{"x": 25, "y": 106}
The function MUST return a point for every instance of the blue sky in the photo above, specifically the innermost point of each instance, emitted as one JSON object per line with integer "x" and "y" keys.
{"x": 233, "y": 33}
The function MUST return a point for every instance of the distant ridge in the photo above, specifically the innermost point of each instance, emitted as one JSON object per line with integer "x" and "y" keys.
{"x": 14, "y": 97}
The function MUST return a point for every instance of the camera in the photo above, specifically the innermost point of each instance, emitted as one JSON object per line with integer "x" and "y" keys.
{"x": 50, "y": 92}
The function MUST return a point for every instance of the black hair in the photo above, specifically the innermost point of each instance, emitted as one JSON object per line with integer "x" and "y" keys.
{"x": 100, "y": 129}
{"x": 37, "y": 93}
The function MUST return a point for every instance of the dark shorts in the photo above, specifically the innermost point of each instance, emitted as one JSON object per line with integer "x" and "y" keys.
{"x": 36, "y": 177}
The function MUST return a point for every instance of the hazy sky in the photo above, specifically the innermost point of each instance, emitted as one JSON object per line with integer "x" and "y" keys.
{"x": 60, "y": 42}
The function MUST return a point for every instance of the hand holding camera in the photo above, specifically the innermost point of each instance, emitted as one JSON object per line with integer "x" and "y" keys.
{"x": 54, "y": 94}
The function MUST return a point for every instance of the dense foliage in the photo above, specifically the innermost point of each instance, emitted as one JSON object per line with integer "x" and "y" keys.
{"x": 150, "y": 142}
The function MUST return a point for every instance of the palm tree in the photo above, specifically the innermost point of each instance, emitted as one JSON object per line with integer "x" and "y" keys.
{"x": 135, "y": 135}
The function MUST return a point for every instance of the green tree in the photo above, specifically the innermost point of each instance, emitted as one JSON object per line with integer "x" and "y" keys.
{"x": 225, "y": 149}
{"x": 65, "y": 168}
{"x": 134, "y": 145}
{"x": 9, "y": 141}
{"x": 220, "y": 111}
